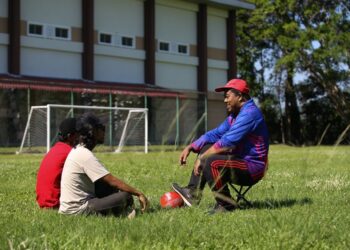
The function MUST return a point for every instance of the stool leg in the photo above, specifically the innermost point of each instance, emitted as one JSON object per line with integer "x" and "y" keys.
{"x": 241, "y": 194}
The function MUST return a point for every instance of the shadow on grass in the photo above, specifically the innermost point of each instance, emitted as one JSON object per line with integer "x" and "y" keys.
{"x": 275, "y": 204}
{"x": 265, "y": 204}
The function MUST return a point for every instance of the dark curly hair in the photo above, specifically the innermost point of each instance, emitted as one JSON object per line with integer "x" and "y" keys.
{"x": 67, "y": 128}
{"x": 86, "y": 126}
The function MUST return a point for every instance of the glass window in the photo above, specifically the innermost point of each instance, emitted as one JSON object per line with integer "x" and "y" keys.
{"x": 127, "y": 41}
{"x": 61, "y": 33}
{"x": 35, "y": 29}
{"x": 182, "y": 49}
{"x": 105, "y": 38}
{"x": 164, "y": 46}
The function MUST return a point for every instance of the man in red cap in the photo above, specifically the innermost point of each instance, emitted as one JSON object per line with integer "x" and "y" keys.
{"x": 236, "y": 151}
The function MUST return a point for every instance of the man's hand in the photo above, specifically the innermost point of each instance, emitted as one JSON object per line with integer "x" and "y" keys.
{"x": 144, "y": 203}
{"x": 184, "y": 155}
{"x": 197, "y": 169}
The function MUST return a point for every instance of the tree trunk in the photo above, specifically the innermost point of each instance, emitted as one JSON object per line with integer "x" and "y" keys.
{"x": 292, "y": 113}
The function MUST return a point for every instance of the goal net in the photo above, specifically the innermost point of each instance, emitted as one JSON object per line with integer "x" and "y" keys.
{"x": 126, "y": 128}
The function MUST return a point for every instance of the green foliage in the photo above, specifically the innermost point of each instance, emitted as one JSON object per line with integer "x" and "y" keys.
{"x": 281, "y": 39}
{"x": 269, "y": 105}
{"x": 302, "y": 203}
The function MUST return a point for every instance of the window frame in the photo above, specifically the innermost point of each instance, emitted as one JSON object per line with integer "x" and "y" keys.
{"x": 43, "y": 30}
{"x": 49, "y": 31}
{"x": 165, "y": 42}
{"x": 132, "y": 46}
{"x": 61, "y": 27}
{"x": 105, "y": 33}
{"x": 185, "y": 45}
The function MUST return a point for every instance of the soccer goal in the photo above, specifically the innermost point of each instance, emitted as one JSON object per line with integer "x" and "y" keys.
{"x": 126, "y": 128}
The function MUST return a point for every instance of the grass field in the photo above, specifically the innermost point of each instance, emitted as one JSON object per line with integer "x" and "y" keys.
{"x": 303, "y": 203}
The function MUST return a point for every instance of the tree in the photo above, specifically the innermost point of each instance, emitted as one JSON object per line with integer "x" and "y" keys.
{"x": 293, "y": 37}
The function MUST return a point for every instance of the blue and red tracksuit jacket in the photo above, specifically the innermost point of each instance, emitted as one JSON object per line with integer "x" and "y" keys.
{"x": 246, "y": 133}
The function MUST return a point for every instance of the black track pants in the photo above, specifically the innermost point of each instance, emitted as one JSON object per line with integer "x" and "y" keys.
{"x": 109, "y": 200}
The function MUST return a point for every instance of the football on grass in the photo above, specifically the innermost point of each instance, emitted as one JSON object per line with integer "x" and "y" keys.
{"x": 171, "y": 200}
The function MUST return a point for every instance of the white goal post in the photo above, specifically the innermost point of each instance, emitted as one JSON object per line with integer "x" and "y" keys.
{"x": 126, "y": 128}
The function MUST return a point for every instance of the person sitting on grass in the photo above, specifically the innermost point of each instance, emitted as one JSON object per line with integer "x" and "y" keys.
{"x": 87, "y": 186}
{"x": 236, "y": 151}
{"x": 48, "y": 184}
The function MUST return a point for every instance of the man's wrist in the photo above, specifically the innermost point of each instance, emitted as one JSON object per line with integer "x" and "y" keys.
{"x": 137, "y": 193}
{"x": 200, "y": 157}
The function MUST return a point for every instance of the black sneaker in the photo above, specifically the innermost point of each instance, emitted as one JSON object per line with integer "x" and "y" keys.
{"x": 218, "y": 208}
{"x": 187, "y": 194}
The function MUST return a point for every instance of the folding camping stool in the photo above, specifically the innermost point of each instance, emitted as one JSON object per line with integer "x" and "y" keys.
{"x": 241, "y": 191}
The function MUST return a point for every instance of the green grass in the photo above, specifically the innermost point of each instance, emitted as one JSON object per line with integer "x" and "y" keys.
{"x": 303, "y": 203}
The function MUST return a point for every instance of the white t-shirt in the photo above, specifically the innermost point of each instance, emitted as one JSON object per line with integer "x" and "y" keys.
{"x": 80, "y": 171}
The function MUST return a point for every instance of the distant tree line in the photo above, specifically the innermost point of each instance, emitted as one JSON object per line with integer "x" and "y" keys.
{"x": 296, "y": 56}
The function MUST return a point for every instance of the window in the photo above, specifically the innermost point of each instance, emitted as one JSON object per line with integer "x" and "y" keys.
{"x": 105, "y": 38}
{"x": 173, "y": 48}
{"x": 182, "y": 49}
{"x": 124, "y": 41}
{"x": 127, "y": 41}
{"x": 35, "y": 29}
{"x": 116, "y": 39}
{"x": 48, "y": 31}
{"x": 164, "y": 46}
{"x": 62, "y": 33}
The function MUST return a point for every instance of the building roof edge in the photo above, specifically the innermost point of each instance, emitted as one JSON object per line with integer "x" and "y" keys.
{"x": 231, "y": 4}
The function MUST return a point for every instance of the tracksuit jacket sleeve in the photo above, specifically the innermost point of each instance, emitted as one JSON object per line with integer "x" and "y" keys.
{"x": 243, "y": 124}
{"x": 212, "y": 136}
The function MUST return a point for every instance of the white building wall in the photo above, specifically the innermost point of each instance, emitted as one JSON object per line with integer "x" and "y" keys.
{"x": 50, "y": 63}
{"x": 122, "y": 16}
{"x": 116, "y": 69}
{"x": 3, "y": 38}
{"x": 176, "y": 76}
{"x": 63, "y": 12}
{"x": 216, "y": 78}
{"x": 3, "y": 57}
{"x": 217, "y": 69}
{"x": 50, "y": 57}
{"x": 176, "y": 22}
{"x": 217, "y": 28}
{"x": 3, "y": 8}
{"x": 117, "y": 64}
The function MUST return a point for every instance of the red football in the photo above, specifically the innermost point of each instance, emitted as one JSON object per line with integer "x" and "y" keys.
{"x": 171, "y": 200}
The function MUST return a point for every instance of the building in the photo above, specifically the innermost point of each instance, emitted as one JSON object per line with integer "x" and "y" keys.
{"x": 162, "y": 54}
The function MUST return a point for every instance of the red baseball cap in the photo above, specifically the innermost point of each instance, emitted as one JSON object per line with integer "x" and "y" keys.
{"x": 237, "y": 84}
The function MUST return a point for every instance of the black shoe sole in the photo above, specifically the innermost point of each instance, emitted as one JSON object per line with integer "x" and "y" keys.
{"x": 177, "y": 190}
